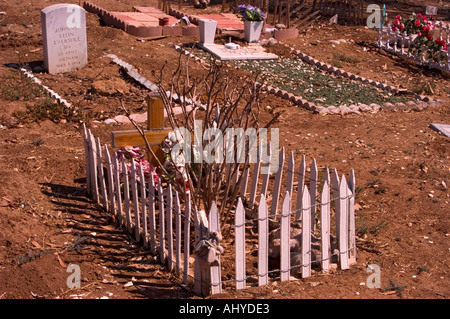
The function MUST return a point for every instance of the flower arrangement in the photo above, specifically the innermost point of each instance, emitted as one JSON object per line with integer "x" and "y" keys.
{"x": 250, "y": 13}
{"x": 422, "y": 27}
{"x": 130, "y": 152}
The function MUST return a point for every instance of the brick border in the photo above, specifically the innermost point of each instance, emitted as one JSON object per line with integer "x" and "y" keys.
{"x": 108, "y": 18}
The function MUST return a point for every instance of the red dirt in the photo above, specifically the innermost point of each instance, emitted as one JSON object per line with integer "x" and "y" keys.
{"x": 44, "y": 210}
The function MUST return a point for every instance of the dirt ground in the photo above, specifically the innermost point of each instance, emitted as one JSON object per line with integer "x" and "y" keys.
{"x": 402, "y": 169}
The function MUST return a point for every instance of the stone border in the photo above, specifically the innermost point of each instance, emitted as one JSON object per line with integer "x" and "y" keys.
{"x": 422, "y": 103}
{"x": 50, "y": 92}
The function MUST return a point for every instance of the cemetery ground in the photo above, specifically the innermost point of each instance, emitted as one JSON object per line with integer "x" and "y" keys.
{"x": 47, "y": 222}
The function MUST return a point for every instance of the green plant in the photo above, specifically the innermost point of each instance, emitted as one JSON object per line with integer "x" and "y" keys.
{"x": 48, "y": 109}
{"x": 342, "y": 57}
{"x": 18, "y": 87}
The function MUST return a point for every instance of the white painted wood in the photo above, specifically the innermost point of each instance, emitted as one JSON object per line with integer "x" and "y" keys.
{"x": 93, "y": 170}
{"x": 336, "y": 194}
{"x": 118, "y": 190}
{"x": 313, "y": 178}
{"x": 263, "y": 242}
{"x": 325, "y": 223}
{"x": 343, "y": 224}
{"x": 187, "y": 237}
{"x": 277, "y": 183}
{"x": 86, "y": 158}
{"x": 126, "y": 196}
{"x": 351, "y": 214}
{"x": 101, "y": 175}
{"x": 197, "y": 262}
{"x": 135, "y": 199}
{"x": 300, "y": 188}
{"x": 239, "y": 240}
{"x": 216, "y": 282}
{"x": 306, "y": 234}
{"x": 265, "y": 183}
{"x": 162, "y": 227}
{"x": 177, "y": 213}
{"x": 143, "y": 190}
{"x": 244, "y": 182}
{"x": 109, "y": 173}
{"x": 285, "y": 229}
{"x": 290, "y": 174}
{"x": 152, "y": 213}
{"x": 254, "y": 185}
{"x": 169, "y": 225}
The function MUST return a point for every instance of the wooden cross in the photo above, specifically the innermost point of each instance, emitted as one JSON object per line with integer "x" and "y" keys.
{"x": 155, "y": 133}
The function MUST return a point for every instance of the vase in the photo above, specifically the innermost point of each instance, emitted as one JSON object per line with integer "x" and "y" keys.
{"x": 207, "y": 29}
{"x": 252, "y": 30}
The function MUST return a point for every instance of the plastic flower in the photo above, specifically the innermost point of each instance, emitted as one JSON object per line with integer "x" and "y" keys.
{"x": 250, "y": 13}
{"x": 417, "y": 23}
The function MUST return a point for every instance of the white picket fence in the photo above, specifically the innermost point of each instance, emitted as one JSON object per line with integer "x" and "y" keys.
{"x": 399, "y": 42}
{"x": 161, "y": 218}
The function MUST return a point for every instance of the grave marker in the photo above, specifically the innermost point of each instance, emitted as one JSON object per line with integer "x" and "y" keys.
{"x": 431, "y": 11}
{"x": 64, "y": 37}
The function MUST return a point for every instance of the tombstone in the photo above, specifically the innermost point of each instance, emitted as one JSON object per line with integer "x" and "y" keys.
{"x": 64, "y": 37}
{"x": 431, "y": 10}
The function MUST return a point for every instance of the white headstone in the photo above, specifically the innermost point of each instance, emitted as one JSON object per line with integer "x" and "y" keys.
{"x": 64, "y": 37}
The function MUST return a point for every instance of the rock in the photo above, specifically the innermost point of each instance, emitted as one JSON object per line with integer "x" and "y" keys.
{"x": 280, "y": 26}
{"x": 295, "y": 243}
{"x": 38, "y": 69}
{"x": 272, "y": 41}
{"x": 110, "y": 121}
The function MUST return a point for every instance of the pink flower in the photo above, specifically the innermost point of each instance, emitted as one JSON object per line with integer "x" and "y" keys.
{"x": 419, "y": 15}
{"x": 417, "y": 23}
{"x": 402, "y": 26}
{"x": 394, "y": 29}
{"x": 398, "y": 17}
{"x": 419, "y": 34}
{"x": 396, "y": 22}
{"x": 430, "y": 37}
{"x": 424, "y": 18}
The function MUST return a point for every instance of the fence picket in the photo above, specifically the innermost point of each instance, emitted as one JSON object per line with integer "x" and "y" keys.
{"x": 213, "y": 219}
{"x": 169, "y": 227}
{"x": 325, "y": 223}
{"x": 177, "y": 212}
{"x": 306, "y": 233}
{"x": 126, "y": 196}
{"x": 351, "y": 214}
{"x": 151, "y": 212}
{"x": 263, "y": 242}
{"x": 254, "y": 186}
{"x": 244, "y": 183}
{"x": 240, "y": 245}
{"x": 343, "y": 224}
{"x": 117, "y": 189}
{"x": 336, "y": 194}
{"x": 86, "y": 158}
{"x": 93, "y": 170}
{"x": 313, "y": 178}
{"x": 187, "y": 232}
{"x": 135, "y": 200}
{"x": 143, "y": 205}
{"x": 266, "y": 172}
{"x": 277, "y": 183}
{"x": 109, "y": 173}
{"x": 101, "y": 175}
{"x": 285, "y": 231}
{"x": 300, "y": 187}
{"x": 162, "y": 230}
{"x": 290, "y": 174}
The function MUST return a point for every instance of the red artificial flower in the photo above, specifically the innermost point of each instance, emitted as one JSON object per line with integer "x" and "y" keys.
{"x": 417, "y": 23}
{"x": 394, "y": 29}
{"x": 419, "y": 15}
{"x": 430, "y": 37}
{"x": 424, "y": 18}
{"x": 398, "y": 17}
{"x": 419, "y": 34}
{"x": 402, "y": 26}
{"x": 396, "y": 22}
